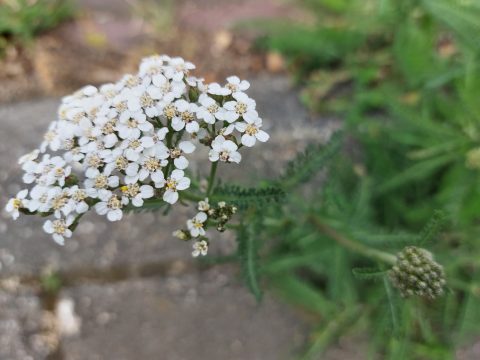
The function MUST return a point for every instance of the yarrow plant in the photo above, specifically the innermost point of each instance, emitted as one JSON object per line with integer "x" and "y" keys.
{"x": 127, "y": 145}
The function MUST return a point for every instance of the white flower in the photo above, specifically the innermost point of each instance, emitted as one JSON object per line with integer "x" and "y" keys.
{"x": 18, "y": 202}
{"x": 180, "y": 234}
{"x": 123, "y": 141}
{"x": 39, "y": 199}
{"x": 185, "y": 117}
{"x": 51, "y": 139}
{"x": 176, "y": 181}
{"x": 133, "y": 148}
{"x": 180, "y": 161}
{"x": 59, "y": 229}
{"x": 57, "y": 171}
{"x": 252, "y": 131}
{"x": 98, "y": 181}
{"x": 132, "y": 128}
{"x": 146, "y": 166}
{"x": 93, "y": 161}
{"x": 78, "y": 196}
{"x": 136, "y": 194}
{"x": 216, "y": 89}
{"x": 200, "y": 248}
{"x": 224, "y": 150}
{"x": 209, "y": 110}
{"x": 31, "y": 156}
{"x": 234, "y": 84}
{"x": 243, "y": 106}
{"x": 109, "y": 205}
{"x": 139, "y": 99}
{"x": 60, "y": 202}
{"x": 195, "y": 225}
{"x": 178, "y": 68}
{"x": 204, "y": 205}
{"x": 165, "y": 89}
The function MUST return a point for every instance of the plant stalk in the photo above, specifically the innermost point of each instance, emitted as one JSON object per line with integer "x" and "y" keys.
{"x": 352, "y": 245}
{"x": 211, "y": 178}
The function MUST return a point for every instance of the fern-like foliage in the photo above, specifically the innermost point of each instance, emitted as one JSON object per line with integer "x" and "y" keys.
{"x": 311, "y": 161}
{"x": 248, "y": 246}
{"x": 246, "y": 197}
{"x": 433, "y": 227}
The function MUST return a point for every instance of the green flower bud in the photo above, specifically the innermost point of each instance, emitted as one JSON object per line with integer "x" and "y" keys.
{"x": 416, "y": 273}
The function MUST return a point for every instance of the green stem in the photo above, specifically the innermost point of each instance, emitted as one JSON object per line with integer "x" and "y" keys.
{"x": 211, "y": 178}
{"x": 191, "y": 196}
{"x": 352, "y": 245}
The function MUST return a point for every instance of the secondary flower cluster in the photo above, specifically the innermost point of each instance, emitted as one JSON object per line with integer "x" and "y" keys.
{"x": 114, "y": 147}
{"x": 217, "y": 215}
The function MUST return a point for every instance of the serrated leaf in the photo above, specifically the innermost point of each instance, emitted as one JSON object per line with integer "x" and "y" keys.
{"x": 433, "y": 227}
{"x": 311, "y": 161}
{"x": 247, "y": 251}
{"x": 246, "y": 197}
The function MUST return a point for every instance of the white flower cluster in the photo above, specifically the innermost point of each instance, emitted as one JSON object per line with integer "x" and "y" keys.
{"x": 118, "y": 145}
{"x": 217, "y": 215}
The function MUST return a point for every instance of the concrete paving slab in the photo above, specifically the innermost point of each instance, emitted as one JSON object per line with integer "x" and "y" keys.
{"x": 193, "y": 316}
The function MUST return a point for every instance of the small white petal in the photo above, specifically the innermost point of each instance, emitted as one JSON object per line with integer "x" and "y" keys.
{"x": 248, "y": 140}
{"x": 170, "y": 196}
{"x": 181, "y": 162}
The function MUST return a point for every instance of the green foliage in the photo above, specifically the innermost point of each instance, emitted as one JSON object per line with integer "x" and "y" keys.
{"x": 405, "y": 78}
{"x": 51, "y": 283}
{"x": 247, "y": 252}
{"x": 21, "y": 20}
{"x": 307, "y": 164}
{"x": 247, "y": 197}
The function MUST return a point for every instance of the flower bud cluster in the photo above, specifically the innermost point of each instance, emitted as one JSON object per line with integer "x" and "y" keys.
{"x": 416, "y": 273}
{"x": 123, "y": 144}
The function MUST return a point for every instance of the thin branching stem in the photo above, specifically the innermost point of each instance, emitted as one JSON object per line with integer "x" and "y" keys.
{"x": 211, "y": 178}
{"x": 350, "y": 244}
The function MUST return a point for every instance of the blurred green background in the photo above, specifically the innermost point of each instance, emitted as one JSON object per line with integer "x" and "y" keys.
{"x": 404, "y": 78}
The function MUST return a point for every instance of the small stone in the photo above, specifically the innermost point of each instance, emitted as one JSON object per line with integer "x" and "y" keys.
{"x": 68, "y": 322}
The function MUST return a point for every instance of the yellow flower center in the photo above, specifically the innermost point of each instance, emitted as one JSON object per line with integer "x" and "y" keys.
{"x": 130, "y": 190}
{"x": 224, "y": 155}
{"x": 109, "y": 127}
{"x": 212, "y": 109}
{"x": 132, "y": 123}
{"x": 152, "y": 164}
{"x": 59, "y": 227}
{"x": 134, "y": 144}
{"x": 240, "y": 108}
{"x": 59, "y": 202}
{"x": 94, "y": 161}
{"x": 169, "y": 111}
{"x": 175, "y": 153}
{"x": 17, "y": 203}
{"x": 187, "y": 116}
{"x": 251, "y": 129}
{"x": 121, "y": 106}
{"x": 114, "y": 203}
{"x": 59, "y": 172}
{"x": 146, "y": 100}
{"x": 171, "y": 184}
{"x": 121, "y": 163}
{"x": 101, "y": 182}
{"x": 197, "y": 224}
{"x": 79, "y": 195}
